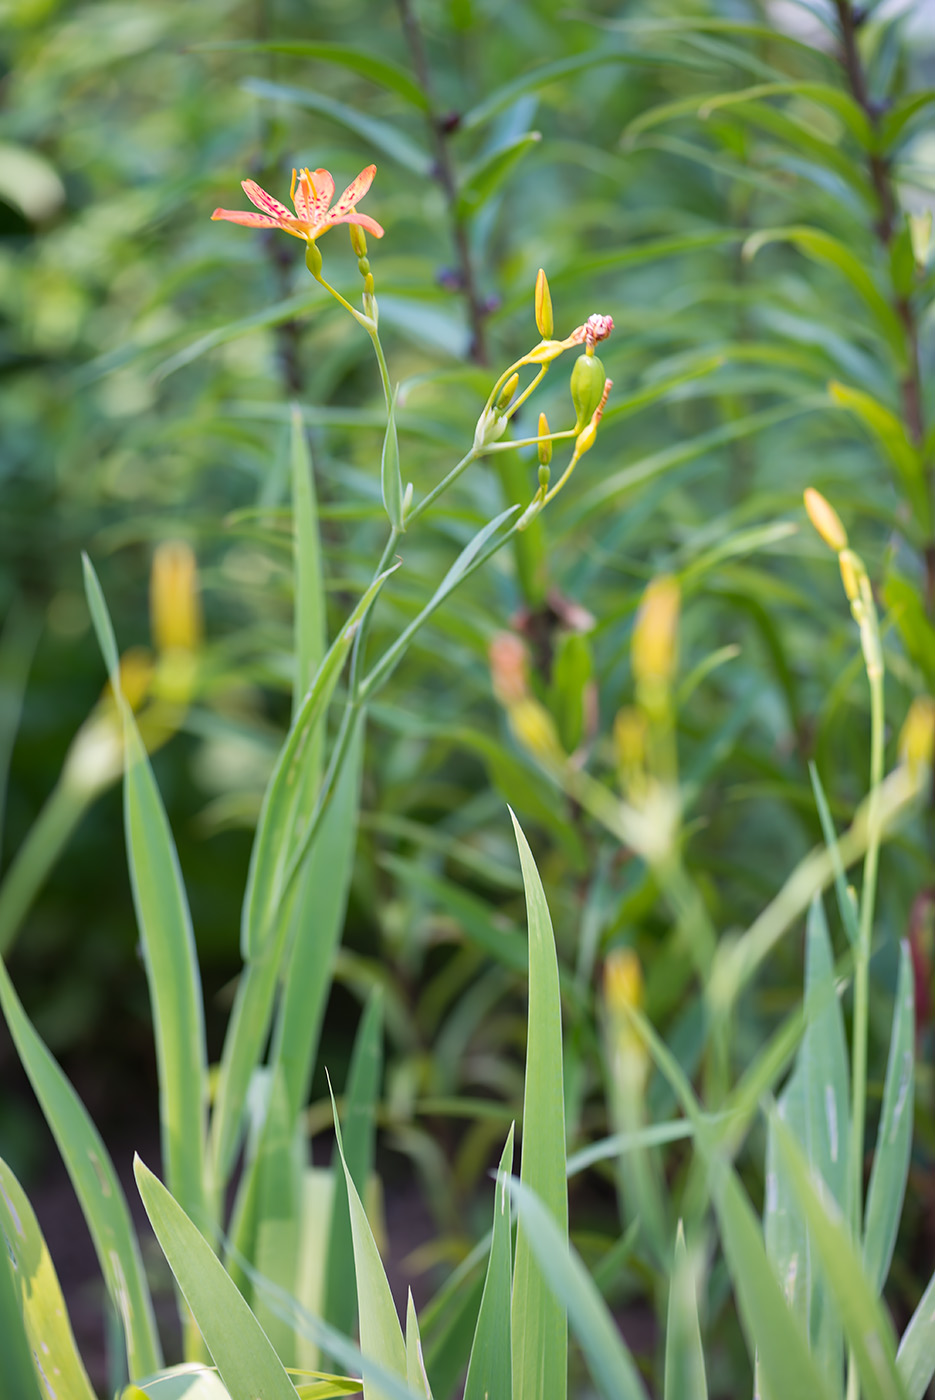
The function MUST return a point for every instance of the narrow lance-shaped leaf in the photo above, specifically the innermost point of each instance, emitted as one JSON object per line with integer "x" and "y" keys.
{"x": 244, "y": 1356}
{"x": 483, "y": 181}
{"x": 415, "y": 1365}
{"x": 684, "y": 1366}
{"x": 276, "y": 831}
{"x": 99, "y": 1192}
{"x": 608, "y": 1360}
{"x": 174, "y": 978}
{"x": 168, "y": 946}
{"x": 358, "y": 1141}
{"x": 381, "y": 1337}
{"x": 894, "y": 1136}
{"x": 538, "y": 1323}
{"x": 867, "y": 1327}
{"x": 490, "y": 1369}
{"x": 38, "y": 1343}
{"x": 916, "y": 1355}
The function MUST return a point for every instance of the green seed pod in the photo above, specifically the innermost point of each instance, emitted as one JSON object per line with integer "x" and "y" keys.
{"x": 363, "y": 266}
{"x": 587, "y": 386}
{"x": 313, "y": 259}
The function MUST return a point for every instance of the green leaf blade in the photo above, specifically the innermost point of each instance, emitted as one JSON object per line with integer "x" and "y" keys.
{"x": 538, "y": 1322}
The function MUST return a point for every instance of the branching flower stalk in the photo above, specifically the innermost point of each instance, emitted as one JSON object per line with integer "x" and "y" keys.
{"x": 312, "y": 193}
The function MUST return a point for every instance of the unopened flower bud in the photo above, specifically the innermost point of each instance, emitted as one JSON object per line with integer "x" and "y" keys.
{"x": 917, "y": 740}
{"x": 654, "y": 635}
{"x": 363, "y": 264}
{"x": 313, "y": 257}
{"x": 174, "y": 600}
{"x": 545, "y": 441}
{"x": 509, "y": 667}
{"x": 491, "y": 426}
{"x": 587, "y": 388}
{"x": 535, "y": 729}
{"x": 545, "y": 475}
{"x": 358, "y": 240}
{"x": 851, "y": 569}
{"x": 623, "y": 981}
{"x": 544, "y": 320}
{"x": 826, "y": 520}
{"x": 506, "y": 393}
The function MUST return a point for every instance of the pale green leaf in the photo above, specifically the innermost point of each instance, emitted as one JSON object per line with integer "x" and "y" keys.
{"x": 246, "y": 1361}
{"x": 381, "y": 1337}
{"x": 684, "y": 1365}
{"x": 608, "y": 1360}
{"x": 38, "y": 1320}
{"x": 490, "y": 1369}
{"x": 890, "y": 1171}
{"x": 538, "y": 1323}
{"x": 867, "y": 1327}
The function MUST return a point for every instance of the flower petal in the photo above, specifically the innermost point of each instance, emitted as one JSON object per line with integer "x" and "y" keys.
{"x": 364, "y": 220}
{"x": 246, "y": 216}
{"x": 264, "y": 201}
{"x": 355, "y": 191}
{"x": 316, "y": 189}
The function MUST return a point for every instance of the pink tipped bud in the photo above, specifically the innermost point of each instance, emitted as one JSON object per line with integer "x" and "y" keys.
{"x": 544, "y": 320}
{"x": 826, "y": 520}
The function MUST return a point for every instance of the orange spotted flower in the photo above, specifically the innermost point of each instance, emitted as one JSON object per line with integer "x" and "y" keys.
{"x": 314, "y": 213}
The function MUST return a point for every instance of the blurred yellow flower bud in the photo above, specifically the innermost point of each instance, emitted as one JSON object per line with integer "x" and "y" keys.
{"x": 826, "y": 520}
{"x": 509, "y": 668}
{"x": 544, "y": 320}
{"x": 623, "y": 981}
{"x": 174, "y": 598}
{"x": 655, "y": 632}
{"x": 851, "y": 567}
{"x": 535, "y": 729}
{"x": 545, "y": 442}
{"x": 630, "y": 726}
{"x": 917, "y": 740}
{"x": 136, "y": 676}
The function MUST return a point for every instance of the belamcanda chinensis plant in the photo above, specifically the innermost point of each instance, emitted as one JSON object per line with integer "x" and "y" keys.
{"x": 807, "y": 1285}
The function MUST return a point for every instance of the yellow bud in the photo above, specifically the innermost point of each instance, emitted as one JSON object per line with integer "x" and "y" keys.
{"x": 623, "y": 981}
{"x": 544, "y": 306}
{"x": 174, "y": 600}
{"x": 655, "y": 632}
{"x": 506, "y": 393}
{"x": 136, "y": 674}
{"x": 545, "y": 442}
{"x": 917, "y": 740}
{"x": 630, "y": 749}
{"x": 826, "y": 520}
{"x": 851, "y": 567}
{"x": 358, "y": 240}
{"x": 535, "y": 729}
